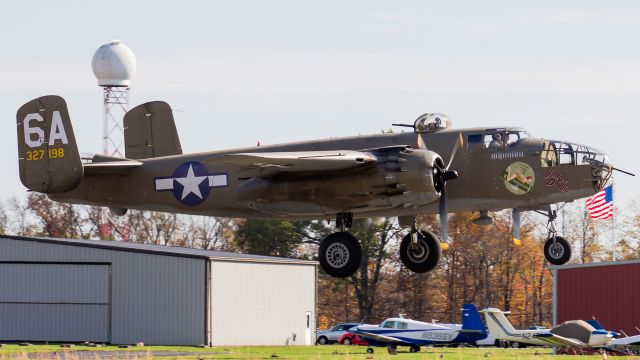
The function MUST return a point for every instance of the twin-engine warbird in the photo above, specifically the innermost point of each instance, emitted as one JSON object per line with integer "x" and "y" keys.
{"x": 571, "y": 334}
{"x": 395, "y": 332}
{"x": 398, "y": 174}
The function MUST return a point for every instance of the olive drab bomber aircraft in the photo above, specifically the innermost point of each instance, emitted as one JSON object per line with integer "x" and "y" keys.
{"x": 433, "y": 169}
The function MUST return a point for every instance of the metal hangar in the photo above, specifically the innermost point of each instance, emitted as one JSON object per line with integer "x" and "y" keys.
{"x": 607, "y": 291}
{"x": 60, "y": 290}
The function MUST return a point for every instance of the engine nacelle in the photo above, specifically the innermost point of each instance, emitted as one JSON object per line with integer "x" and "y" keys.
{"x": 400, "y": 177}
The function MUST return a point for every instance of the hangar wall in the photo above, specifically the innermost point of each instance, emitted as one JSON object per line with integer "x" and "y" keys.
{"x": 271, "y": 302}
{"x": 62, "y": 290}
{"x": 155, "y": 299}
{"x": 608, "y": 291}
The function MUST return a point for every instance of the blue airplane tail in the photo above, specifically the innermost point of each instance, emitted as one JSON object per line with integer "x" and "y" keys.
{"x": 596, "y": 325}
{"x": 472, "y": 324}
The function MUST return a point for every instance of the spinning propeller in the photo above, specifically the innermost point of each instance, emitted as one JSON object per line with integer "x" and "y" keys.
{"x": 442, "y": 174}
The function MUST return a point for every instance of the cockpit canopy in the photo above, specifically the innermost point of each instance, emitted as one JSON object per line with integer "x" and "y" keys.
{"x": 394, "y": 324}
{"x": 432, "y": 122}
{"x": 556, "y": 153}
{"x": 496, "y": 138}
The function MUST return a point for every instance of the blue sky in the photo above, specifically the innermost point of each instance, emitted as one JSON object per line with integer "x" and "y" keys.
{"x": 239, "y": 72}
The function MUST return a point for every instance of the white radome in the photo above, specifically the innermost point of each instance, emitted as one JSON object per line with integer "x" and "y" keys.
{"x": 114, "y": 64}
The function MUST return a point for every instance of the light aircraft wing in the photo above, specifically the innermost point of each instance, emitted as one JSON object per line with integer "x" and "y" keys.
{"x": 555, "y": 340}
{"x": 297, "y": 162}
{"x": 380, "y": 337}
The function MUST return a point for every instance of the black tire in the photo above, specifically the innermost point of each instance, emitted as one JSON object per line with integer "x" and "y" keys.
{"x": 425, "y": 256}
{"x": 558, "y": 254}
{"x": 347, "y": 341}
{"x": 340, "y": 254}
{"x": 414, "y": 349}
{"x": 322, "y": 340}
{"x": 369, "y": 350}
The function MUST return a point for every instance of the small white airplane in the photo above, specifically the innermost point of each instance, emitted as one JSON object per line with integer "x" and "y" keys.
{"x": 627, "y": 343}
{"x": 395, "y": 332}
{"x": 573, "y": 334}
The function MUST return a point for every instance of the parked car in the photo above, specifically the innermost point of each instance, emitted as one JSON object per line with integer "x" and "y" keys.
{"x": 332, "y": 335}
{"x": 352, "y": 339}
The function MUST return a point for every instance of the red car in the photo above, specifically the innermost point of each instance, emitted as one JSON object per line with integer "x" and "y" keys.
{"x": 352, "y": 339}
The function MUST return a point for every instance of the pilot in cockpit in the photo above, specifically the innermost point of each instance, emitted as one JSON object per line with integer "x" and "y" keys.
{"x": 496, "y": 141}
{"x": 505, "y": 139}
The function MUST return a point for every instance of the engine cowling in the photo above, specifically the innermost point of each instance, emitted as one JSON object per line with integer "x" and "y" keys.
{"x": 400, "y": 177}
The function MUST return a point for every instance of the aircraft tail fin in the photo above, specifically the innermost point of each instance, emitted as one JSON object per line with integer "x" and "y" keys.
{"x": 472, "y": 323}
{"x": 498, "y": 324}
{"x": 596, "y": 325}
{"x": 48, "y": 155}
{"x": 150, "y": 131}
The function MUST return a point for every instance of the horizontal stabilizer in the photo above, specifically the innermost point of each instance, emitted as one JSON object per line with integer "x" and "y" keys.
{"x": 302, "y": 161}
{"x": 105, "y": 165}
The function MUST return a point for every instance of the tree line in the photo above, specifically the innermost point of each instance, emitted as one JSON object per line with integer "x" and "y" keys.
{"x": 481, "y": 266}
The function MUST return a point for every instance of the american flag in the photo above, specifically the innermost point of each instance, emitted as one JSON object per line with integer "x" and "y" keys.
{"x": 600, "y": 205}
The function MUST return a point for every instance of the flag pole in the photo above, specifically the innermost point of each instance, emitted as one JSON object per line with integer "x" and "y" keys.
{"x": 613, "y": 225}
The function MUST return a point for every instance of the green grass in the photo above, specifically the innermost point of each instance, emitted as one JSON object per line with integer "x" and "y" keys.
{"x": 296, "y": 352}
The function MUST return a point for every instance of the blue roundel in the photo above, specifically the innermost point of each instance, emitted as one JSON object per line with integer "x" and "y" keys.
{"x": 191, "y": 183}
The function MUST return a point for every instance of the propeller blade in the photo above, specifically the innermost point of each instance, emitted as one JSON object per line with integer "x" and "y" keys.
{"x": 457, "y": 146}
{"x": 515, "y": 226}
{"x": 444, "y": 217}
{"x": 420, "y": 142}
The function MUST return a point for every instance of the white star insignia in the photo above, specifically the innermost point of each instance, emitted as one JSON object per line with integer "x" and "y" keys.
{"x": 191, "y": 184}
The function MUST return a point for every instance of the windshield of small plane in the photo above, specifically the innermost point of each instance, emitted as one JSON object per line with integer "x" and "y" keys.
{"x": 392, "y": 324}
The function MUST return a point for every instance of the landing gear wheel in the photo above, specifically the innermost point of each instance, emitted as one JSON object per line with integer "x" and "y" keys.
{"x": 369, "y": 350}
{"x": 557, "y": 253}
{"x": 414, "y": 349}
{"x": 392, "y": 349}
{"x": 423, "y": 256}
{"x": 340, "y": 254}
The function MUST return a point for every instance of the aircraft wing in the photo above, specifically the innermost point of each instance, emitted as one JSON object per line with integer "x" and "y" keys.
{"x": 555, "y": 340}
{"x": 380, "y": 337}
{"x": 297, "y": 162}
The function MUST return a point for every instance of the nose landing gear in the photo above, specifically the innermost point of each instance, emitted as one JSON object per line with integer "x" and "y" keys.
{"x": 420, "y": 250}
{"x": 557, "y": 249}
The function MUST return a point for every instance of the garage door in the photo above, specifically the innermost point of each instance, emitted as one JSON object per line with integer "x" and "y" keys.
{"x": 54, "y": 302}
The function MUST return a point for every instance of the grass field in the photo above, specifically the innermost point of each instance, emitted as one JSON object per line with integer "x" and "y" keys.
{"x": 273, "y": 352}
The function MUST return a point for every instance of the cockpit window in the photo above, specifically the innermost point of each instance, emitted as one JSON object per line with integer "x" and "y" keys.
{"x": 401, "y": 325}
{"x": 548, "y": 154}
{"x": 389, "y": 324}
{"x": 556, "y": 153}
{"x": 503, "y": 138}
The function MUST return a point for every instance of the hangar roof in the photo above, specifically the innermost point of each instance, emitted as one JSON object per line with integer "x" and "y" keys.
{"x": 594, "y": 264}
{"x": 162, "y": 250}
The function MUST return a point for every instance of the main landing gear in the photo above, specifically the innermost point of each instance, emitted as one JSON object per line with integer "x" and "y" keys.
{"x": 557, "y": 250}
{"x": 340, "y": 253}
